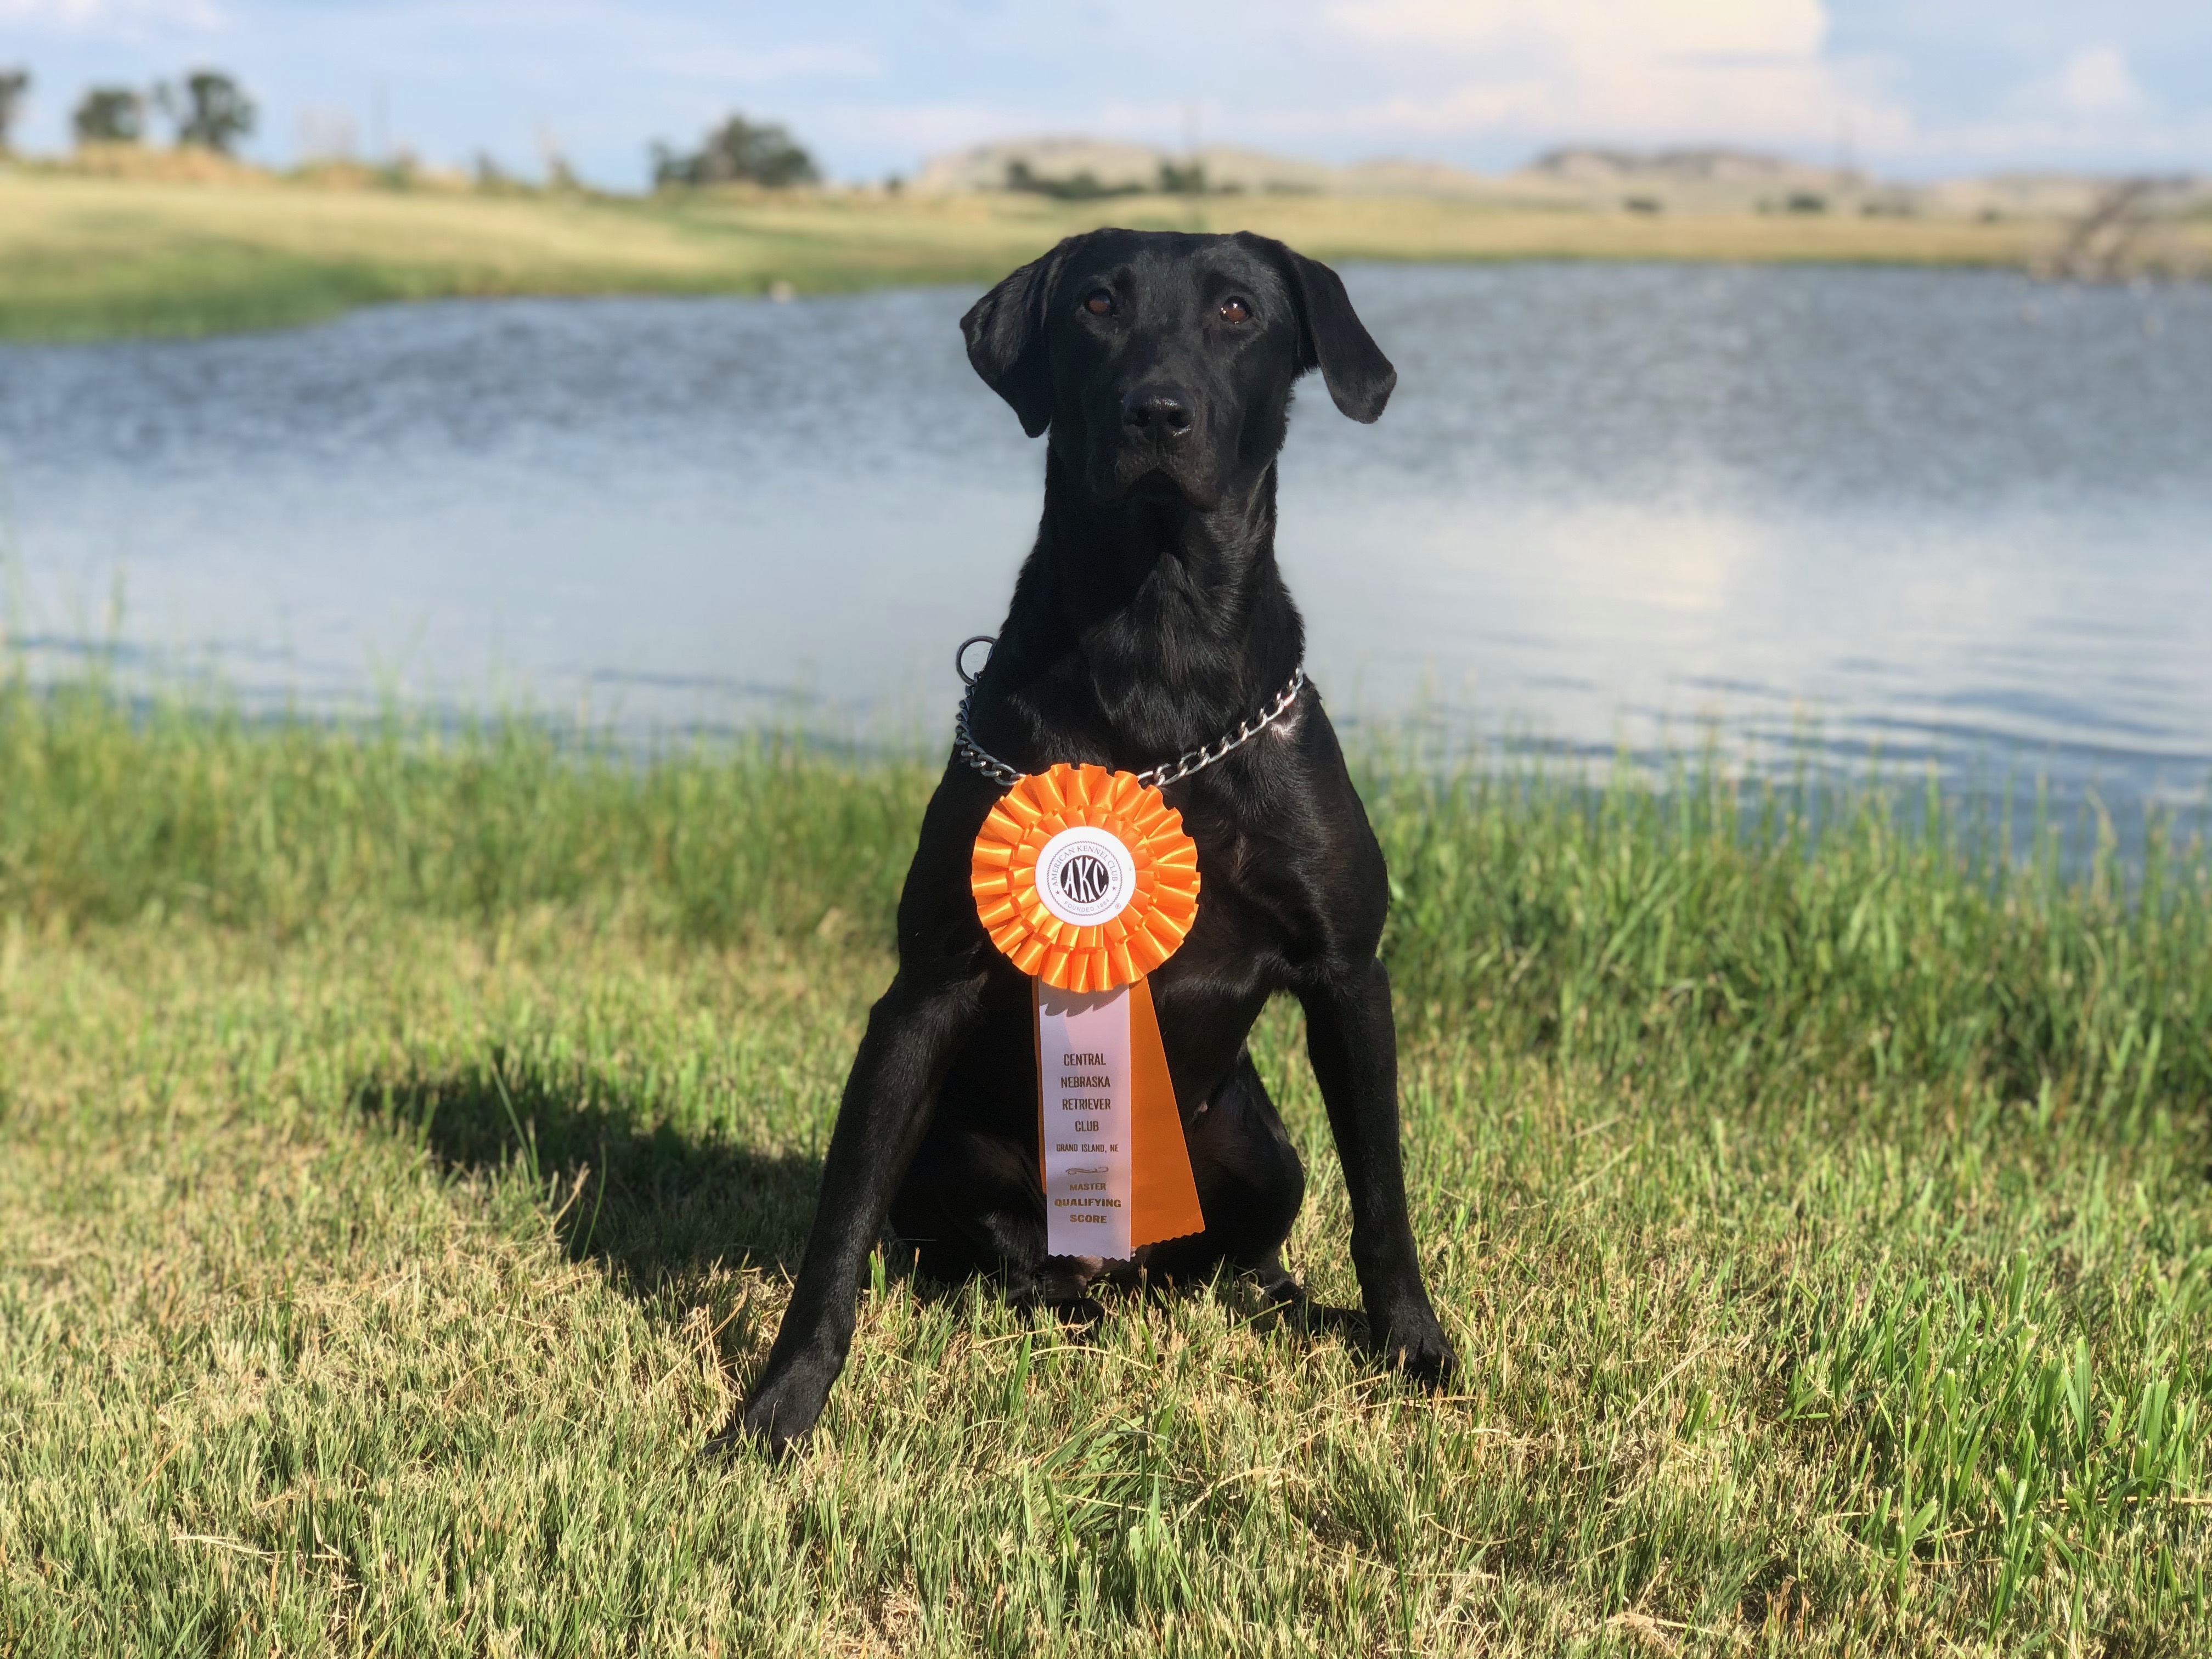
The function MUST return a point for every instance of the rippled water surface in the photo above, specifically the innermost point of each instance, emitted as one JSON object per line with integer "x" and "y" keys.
{"x": 1918, "y": 513}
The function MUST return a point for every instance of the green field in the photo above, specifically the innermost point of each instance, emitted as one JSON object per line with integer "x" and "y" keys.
{"x": 408, "y": 1135}
{"x": 84, "y": 257}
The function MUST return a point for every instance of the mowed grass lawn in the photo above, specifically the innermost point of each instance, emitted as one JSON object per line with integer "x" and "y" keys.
{"x": 84, "y": 257}
{"x": 406, "y": 1139}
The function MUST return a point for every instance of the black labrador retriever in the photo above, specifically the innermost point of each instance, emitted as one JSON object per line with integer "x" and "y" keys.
{"x": 1149, "y": 620}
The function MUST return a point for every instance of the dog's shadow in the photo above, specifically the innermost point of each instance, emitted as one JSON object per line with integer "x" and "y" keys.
{"x": 656, "y": 1206}
{"x": 648, "y": 1201}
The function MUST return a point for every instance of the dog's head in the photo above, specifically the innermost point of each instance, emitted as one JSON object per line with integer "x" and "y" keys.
{"x": 1164, "y": 361}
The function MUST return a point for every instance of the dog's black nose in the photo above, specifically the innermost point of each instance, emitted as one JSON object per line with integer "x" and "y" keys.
{"x": 1160, "y": 413}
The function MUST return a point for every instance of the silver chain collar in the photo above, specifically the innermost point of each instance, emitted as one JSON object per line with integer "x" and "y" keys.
{"x": 965, "y": 747}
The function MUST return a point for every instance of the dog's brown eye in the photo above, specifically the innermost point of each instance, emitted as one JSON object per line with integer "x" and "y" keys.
{"x": 1235, "y": 311}
{"x": 1100, "y": 304}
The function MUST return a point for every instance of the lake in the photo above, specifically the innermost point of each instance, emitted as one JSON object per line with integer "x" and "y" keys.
{"x": 1823, "y": 513}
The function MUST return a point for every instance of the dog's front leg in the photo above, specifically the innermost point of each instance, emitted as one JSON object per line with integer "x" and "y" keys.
{"x": 1353, "y": 1043}
{"x": 911, "y": 1038}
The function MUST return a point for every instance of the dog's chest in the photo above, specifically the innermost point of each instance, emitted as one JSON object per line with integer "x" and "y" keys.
{"x": 1254, "y": 914}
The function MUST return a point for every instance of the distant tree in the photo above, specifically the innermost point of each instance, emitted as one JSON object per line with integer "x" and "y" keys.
{"x": 1082, "y": 187}
{"x": 210, "y": 109}
{"x": 1182, "y": 181}
{"x": 738, "y": 150}
{"x": 13, "y": 84}
{"x": 110, "y": 115}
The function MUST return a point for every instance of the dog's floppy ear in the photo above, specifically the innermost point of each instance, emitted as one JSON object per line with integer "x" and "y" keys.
{"x": 1005, "y": 338}
{"x": 1331, "y": 339}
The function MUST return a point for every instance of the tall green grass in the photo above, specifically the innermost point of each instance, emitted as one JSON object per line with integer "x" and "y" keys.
{"x": 1753, "y": 935}
{"x": 409, "y": 1127}
{"x": 1765, "y": 935}
{"x": 110, "y": 813}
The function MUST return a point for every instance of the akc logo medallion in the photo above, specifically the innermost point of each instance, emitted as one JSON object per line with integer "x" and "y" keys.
{"x": 1085, "y": 875}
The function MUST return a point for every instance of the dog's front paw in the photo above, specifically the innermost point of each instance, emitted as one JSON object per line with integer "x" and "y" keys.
{"x": 779, "y": 1415}
{"x": 1412, "y": 1342}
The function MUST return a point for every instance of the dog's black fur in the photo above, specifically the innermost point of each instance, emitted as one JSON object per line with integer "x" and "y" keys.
{"x": 1150, "y": 618}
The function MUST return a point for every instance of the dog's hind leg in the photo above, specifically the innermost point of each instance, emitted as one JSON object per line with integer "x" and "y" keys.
{"x": 920, "y": 1217}
{"x": 1250, "y": 1184}
{"x": 973, "y": 1203}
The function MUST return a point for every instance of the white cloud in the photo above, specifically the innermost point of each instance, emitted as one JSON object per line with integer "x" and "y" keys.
{"x": 130, "y": 19}
{"x": 1495, "y": 79}
{"x": 1747, "y": 71}
{"x": 923, "y": 130}
{"x": 742, "y": 67}
{"x": 1587, "y": 28}
{"x": 2095, "y": 82}
{"x": 2089, "y": 110}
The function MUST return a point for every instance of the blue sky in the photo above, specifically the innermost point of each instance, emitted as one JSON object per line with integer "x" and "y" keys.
{"x": 1913, "y": 88}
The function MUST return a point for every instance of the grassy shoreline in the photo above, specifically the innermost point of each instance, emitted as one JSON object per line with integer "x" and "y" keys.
{"x": 84, "y": 257}
{"x": 410, "y": 1135}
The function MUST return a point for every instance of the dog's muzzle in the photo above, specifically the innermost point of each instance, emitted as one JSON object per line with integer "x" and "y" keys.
{"x": 1158, "y": 414}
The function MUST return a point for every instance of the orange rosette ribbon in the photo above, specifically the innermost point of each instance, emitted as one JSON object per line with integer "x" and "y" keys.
{"x": 1161, "y": 874}
{"x": 1085, "y": 879}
